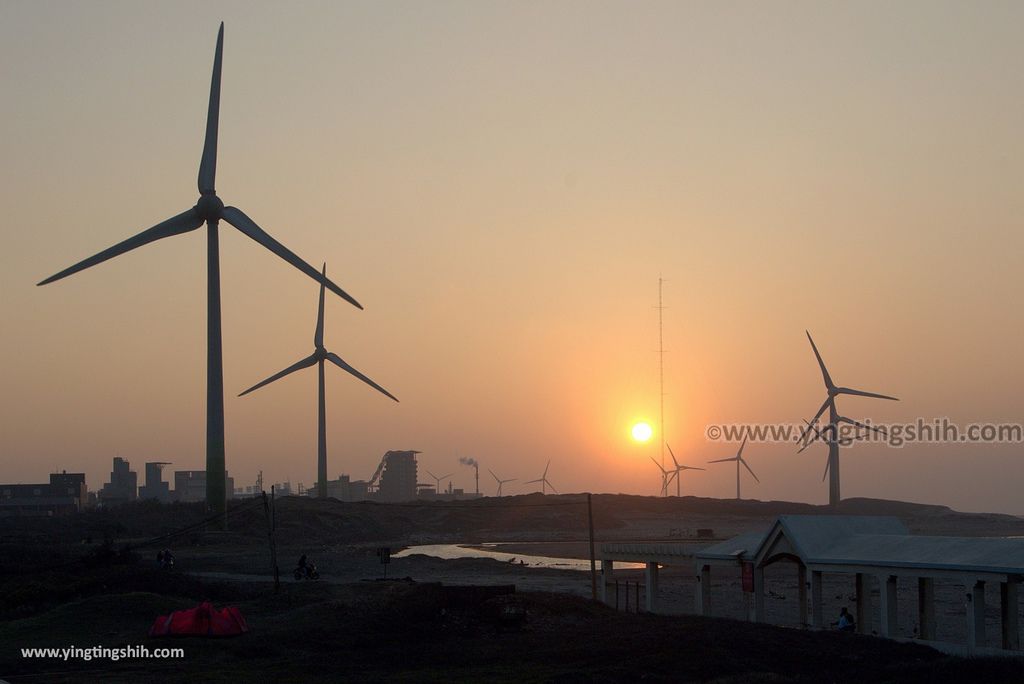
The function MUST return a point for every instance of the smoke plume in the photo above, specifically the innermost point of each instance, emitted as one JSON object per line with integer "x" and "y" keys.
{"x": 469, "y": 461}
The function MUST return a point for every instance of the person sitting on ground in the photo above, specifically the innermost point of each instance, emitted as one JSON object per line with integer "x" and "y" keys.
{"x": 846, "y": 622}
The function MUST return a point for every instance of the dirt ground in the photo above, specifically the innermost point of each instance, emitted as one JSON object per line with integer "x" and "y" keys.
{"x": 75, "y": 582}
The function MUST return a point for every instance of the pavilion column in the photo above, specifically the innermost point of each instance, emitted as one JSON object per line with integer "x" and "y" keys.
{"x": 1009, "y": 608}
{"x": 863, "y": 598}
{"x": 651, "y": 580}
{"x": 801, "y": 581}
{"x": 926, "y": 607}
{"x": 817, "y": 609}
{"x": 606, "y": 579}
{"x": 976, "y": 615}
{"x": 887, "y": 605}
{"x": 704, "y": 590}
{"x": 759, "y": 615}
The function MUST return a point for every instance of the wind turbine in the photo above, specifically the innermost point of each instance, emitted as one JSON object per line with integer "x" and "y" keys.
{"x": 209, "y": 209}
{"x": 317, "y": 358}
{"x": 437, "y": 487}
{"x": 678, "y": 469}
{"x": 502, "y": 482}
{"x": 666, "y": 477}
{"x": 543, "y": 479}
{"x": 834, "y": 419}
{"x": 739, "y": 459}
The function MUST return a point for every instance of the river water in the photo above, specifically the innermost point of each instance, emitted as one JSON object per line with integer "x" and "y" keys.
{"x": 451, "y": 551}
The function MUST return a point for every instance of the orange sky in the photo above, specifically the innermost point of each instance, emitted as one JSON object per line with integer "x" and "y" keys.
{"x": 501, "y": 186}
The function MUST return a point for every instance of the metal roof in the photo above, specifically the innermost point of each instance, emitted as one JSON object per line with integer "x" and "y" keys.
{"x": 878, "y": 542}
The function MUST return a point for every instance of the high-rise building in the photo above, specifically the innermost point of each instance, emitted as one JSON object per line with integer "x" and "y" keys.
{"x": 398, "y": 480}
{"x": 155, "y": 487}
{"x": 123, "y": 485}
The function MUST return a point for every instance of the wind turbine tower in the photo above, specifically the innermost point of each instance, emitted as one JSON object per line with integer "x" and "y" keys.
{"x": 317, "y": 358}
{"x": 209, "y": 210}
{"x": 834, "y": 419}
{"x": 739, "y": 459}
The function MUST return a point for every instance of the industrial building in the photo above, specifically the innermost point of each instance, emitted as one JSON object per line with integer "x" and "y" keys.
{"x": 64, "y": 494}
{"x": 155, "y": 487}
{"x": 397, "y": 476}
{"x": 123, "y": 485}
{"x": 190, "y": 485}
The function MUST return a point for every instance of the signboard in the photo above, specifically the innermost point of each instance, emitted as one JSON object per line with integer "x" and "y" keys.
{"x": 748, "y": 576}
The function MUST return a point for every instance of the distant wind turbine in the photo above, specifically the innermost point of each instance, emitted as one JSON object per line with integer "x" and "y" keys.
{"x": 739, "y": 459}
{"x": 209, "y": 209}
{"x": 319, "y": 355}
{"x": 437, "y": 479}
{"x": 834, "y": 419}
{"x": 678, "y": 469}
{"x": 543, "y": 479}
{"x": 666, "y": 476}
{"x": 501, "y": 482}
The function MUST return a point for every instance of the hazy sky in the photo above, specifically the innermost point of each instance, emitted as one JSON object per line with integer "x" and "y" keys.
{"x": 501, "y": 184}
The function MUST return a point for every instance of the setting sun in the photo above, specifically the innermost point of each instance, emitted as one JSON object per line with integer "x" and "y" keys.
{"x": 642, "y": 432}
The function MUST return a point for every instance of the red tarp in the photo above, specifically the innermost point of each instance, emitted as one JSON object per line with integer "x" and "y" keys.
{"x": 203, "y": 620}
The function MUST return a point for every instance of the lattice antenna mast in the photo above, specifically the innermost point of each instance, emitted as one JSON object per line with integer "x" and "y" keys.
{"x": 661, "y": 373}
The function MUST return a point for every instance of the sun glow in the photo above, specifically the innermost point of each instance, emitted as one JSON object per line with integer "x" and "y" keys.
{"x": 642, "y": 432}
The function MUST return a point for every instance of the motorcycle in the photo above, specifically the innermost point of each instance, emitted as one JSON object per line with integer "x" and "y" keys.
{"x": 308, "y": 572}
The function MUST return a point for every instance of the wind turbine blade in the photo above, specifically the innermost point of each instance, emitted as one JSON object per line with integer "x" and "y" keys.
{"x": 546, "y": 469}
{"x": 552, "y": 486}
{"x": 208, "y": 164}
{"x": 531, "y": 481}
{"x": 739, "y": 454}
{"x": 318, "y": 336}
{"x": 672, "y": 454}
{"x": 850, "y": 421}
{"x": 824, "y": 371}
{"x": 340, "y": 363}
{"x": 812, "y": 421}
{"x": 445, "y": 477}
{"x": 511, "y": 479}
{"x": 432, "y": 475}
{"x": 176, "y": 225}
{"x": 239, "y": 220}
{"x": 750, "y": 471}
{"x": 494, "y": 476}
{"x": 827, "y": 463}
{"x": 299, "y": 365}
{"x": 861, "y": 393}
{"x": 663, "y": 471}
{"x": 723, "y": 460}
{"x": 691, "y": 468}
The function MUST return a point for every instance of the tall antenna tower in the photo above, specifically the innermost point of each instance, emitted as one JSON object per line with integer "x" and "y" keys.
{"x": 661, "y": 374}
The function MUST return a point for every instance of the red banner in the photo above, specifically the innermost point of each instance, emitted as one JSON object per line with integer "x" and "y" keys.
{"x": 748, "y": 577}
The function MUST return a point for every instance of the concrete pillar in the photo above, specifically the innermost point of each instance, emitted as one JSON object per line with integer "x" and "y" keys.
{"x": 606, "y": 579}
{"x": 704, "y": 590}
{"x": 887, "y": 605}
{"x": 759, "y": 615}
{"x": 863, "y": 599}
{"x": 1009, "y": 607}
{"x": 976, "y": 615}
{"x": 801, "y": 581}
{"x": 651, "y": 580}
{"x": 817, "y": 609}
{"x": 926, "y": 608}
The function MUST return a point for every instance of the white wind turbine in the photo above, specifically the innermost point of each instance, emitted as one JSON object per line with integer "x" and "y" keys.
{"x": 834, "y": 419}
{"x": 543, "y": 479}
{"x": 739, "y": 459}
{"x": 209, "y": 209}
{"x": 437, "y": 480}
{"x": 678, "y": 469}
{"x": 666, "y": 476}
{"x": 502, "y": 482}
{"x": 317, "y": 358}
